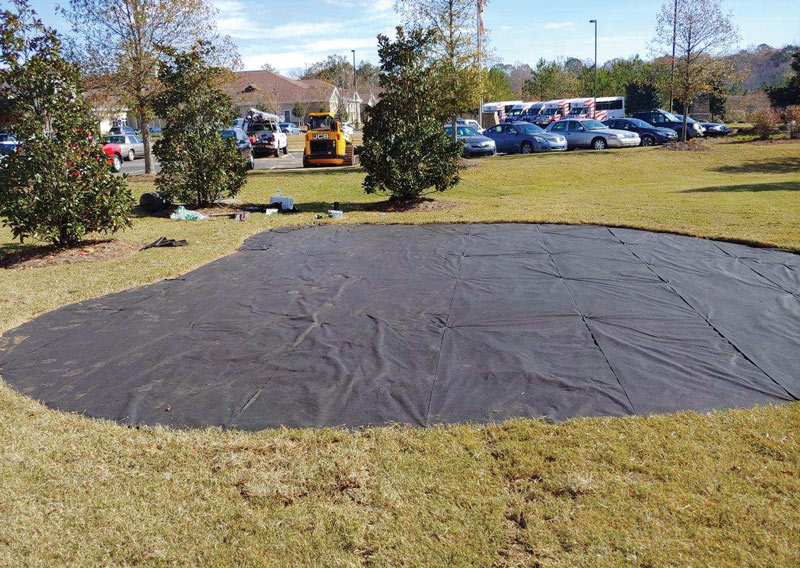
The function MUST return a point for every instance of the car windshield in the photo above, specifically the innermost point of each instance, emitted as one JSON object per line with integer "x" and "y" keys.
{"x": 594, "y": 125}
{"x": 258, "y": 128}
{"x": 529, "y": 128}
{"x": 549, "y": 111}
{"x": 461, "y": 130}
{"x": 671, "y": 117}
{"x": 115, "y": 140}
{"x": 319, "y": 123}
{"x": 227, "y": 134}
{"x": 688, "y": 119}
{"x": 639, "y": 123}
{"x": 515, "y": 112}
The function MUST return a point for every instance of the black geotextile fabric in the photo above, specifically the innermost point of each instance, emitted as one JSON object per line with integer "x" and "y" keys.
{"x": 357, "y": 325}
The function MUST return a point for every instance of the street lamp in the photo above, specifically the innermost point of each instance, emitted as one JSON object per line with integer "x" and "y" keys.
{"x": 594, "y": 86}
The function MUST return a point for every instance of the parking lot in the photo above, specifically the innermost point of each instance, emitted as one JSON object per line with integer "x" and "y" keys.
{"x": 289, "y": 161}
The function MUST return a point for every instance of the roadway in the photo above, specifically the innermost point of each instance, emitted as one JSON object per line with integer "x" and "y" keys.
{"x": 290, "y": 161}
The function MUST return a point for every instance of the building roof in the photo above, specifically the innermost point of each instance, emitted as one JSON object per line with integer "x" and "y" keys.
{"x": 252, "y": 85}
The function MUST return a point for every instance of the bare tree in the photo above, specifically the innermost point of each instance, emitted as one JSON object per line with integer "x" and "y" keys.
{"x": 701, "y": 32}
{"x": 122, "y": 42}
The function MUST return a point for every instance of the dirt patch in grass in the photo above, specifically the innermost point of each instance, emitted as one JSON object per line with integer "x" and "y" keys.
{"x": 690, "y": 146}
{"x": 51, "y": 255}
{"x": 396, "y": 206}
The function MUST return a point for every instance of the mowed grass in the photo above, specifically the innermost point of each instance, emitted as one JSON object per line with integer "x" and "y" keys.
{"x": 679, "y": 490}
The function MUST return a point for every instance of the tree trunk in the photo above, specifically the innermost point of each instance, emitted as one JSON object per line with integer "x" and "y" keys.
{"x": 144, "y": 125}
{"x": 685, "y": 121}
{"x": 455, "y": 131}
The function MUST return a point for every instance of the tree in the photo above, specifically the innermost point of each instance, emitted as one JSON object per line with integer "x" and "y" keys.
{"x": 197, "y": 164}
{"x": 268, "y": 67}
{"x": 121, "y": 41}
{"x": 498, "y": 87}
{"x": 700, "y": 31}
{"x": 456, "y": 59}
{"x": 406, "y": 151}
{"x": 60, "y": 186}
{"x": 642, "y": 96}
{"x": 787, "y": 93}
{"x": 299, "y": 110}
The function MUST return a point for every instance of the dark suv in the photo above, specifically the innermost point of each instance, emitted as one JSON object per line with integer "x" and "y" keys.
{"x": 649, "y": 134}
{"x": 661, "y": 118}
{"x": 242, "y": 142}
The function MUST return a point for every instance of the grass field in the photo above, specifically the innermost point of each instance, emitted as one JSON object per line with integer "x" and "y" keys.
{"x": 679, "y": 490}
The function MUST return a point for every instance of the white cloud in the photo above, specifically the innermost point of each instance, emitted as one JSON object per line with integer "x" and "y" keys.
{"x": 558, "y": 25}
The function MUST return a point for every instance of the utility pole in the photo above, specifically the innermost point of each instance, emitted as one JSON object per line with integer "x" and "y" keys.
{"x": 594, "y": 80}
{"x": 672, "y": 71}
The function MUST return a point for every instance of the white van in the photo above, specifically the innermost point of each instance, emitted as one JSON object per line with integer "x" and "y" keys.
{"x": 610, "y": 108}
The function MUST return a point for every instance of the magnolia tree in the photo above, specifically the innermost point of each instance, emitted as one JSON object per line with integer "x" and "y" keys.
{"x": 700, "y": 32}
{"x": 406, "y": 151}
{"x": 59, "y": 186}
{"x": 197, "y": 165}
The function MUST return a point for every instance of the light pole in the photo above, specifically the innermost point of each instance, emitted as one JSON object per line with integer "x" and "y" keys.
{"x": 594, "y": 80}
{"x": 355, "y": 119}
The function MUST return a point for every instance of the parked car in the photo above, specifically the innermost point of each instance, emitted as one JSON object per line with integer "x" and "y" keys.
{"x": 155, "y": 130}
{"x": 649, "y": 134}
{"x": 524, "y": 138}
{"x": 114, "y": 153}
{"x": 242, "y": 142}
{"x": 8, "y": 144}
{"x": 715, "y": 129}
{"x": 289, "y": 128}
{"x": 661, "y": 118}
{"x": 131, "y": 146}
{"x": 590, "y": 133}
{"x": 125, "y": 130}
{"x": 470, "y": 123}
{"x": 694, "y": 124}
{"x": 474, "y": 144}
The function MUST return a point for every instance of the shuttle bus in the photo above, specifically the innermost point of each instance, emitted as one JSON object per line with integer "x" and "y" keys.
{"x": 609, "y": 108}
{"x": 518, "y": 111}
{"x": 499, "y": 109}
{"x": 552, "y": 111}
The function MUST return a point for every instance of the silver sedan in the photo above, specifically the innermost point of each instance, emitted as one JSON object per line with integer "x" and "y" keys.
{"x": 589, "y": 133}
{"x": 132, "y": 146}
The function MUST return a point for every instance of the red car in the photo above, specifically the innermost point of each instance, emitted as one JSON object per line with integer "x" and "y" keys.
{"x": 114, "y": 153}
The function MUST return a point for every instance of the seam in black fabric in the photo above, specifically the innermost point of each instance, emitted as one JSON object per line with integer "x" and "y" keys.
{"x": 708, "y": 321}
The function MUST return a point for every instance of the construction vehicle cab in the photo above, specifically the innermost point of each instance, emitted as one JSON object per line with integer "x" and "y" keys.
{"x": 327, "y": 142}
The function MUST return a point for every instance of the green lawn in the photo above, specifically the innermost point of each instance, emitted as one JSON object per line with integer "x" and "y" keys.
{"x": 679, "y": 490}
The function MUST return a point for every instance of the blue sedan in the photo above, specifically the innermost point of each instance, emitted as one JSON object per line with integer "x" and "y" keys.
{"x": 524, "y": 138}
{"x": 289, "y": 128}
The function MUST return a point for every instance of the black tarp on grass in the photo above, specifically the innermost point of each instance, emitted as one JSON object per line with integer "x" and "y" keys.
{"x": 357, "y": 325}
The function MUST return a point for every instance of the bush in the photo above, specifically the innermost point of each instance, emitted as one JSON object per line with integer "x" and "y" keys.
{"x": 406, "y": 150}
{"x": 59, "y": 187}
{"x": 765, "y": 122}
{"x": 197, "y": 165}
{"x": 792, "y": 116}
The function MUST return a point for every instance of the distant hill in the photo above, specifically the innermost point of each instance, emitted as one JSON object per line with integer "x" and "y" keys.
{"x": 763, "y": 64}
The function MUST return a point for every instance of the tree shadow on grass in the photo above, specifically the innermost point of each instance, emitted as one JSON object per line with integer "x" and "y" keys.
{"x": 776, "y": 166}
{"x": 327, "y": 171}
{"x": 751, "y": 187}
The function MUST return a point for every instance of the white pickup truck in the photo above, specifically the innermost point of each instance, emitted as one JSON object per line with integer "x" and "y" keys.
{"x": 265, "y": 133}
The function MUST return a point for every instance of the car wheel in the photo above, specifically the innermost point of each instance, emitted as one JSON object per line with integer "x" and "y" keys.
{"x": 276, "y": 153}
{"x": 131, "y": 155}
{"x": 648, "y": 140}
{"x": 599, "y": 144}
{"x": 286, "y": 149}
{"x": 116, "y": 163}
{"x": 251, "y": 163}
{"x": 526, "y": 148}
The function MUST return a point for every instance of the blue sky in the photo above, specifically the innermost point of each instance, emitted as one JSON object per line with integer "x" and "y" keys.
{"x": 292, "y": 33}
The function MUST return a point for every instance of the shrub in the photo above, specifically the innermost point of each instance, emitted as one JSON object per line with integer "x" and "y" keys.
{"x": 406, "y": 150}
{"x": 197, "y": 165}
{"x": 792, "y": 116}
{"x": 59, "y": 186}
{"x": 765, "y": 121}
